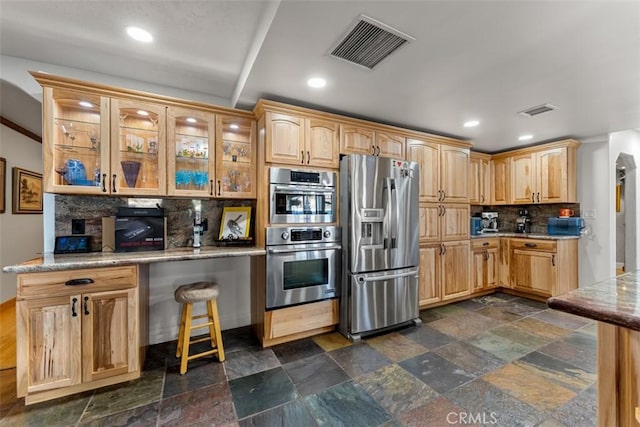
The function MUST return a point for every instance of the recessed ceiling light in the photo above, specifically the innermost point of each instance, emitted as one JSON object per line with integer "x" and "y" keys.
{"x": 142, "y": 113}
{"x": 191, "y": 120}
{"x": 471, "y": 123}
{"x": 234, "y": 126}
{"x": 85, "y": 104}
{"x": 139, "y": 34}
{"x": 316, "y": 82}
{"x": 525, "y": 137}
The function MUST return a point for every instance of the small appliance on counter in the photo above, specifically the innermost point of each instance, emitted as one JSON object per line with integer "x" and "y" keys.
{"x": 475, "y": 226}
{"x": 571, "y": 226}
{"x": 139, "y": 229}
{"x": 489, "y": 222}
{"x": 523, "y": 222}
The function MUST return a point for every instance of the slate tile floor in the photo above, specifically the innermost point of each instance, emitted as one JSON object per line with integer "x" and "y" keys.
{"x": 498, "y": 360}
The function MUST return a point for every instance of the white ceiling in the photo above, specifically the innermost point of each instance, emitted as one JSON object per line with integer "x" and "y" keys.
{"x": 482, "y": 60}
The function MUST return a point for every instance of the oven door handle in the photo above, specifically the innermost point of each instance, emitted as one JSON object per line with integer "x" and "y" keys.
{"x": 287, "y": 251}
{"x": 307, "y": 190}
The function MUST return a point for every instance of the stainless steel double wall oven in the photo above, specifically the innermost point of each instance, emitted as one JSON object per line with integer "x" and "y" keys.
{"x": 303, "y": 244}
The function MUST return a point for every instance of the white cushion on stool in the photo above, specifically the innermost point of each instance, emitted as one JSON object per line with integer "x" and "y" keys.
{"x": 196, "y": 292}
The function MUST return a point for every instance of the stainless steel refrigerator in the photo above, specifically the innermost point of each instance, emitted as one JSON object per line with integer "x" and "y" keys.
{"x": 379, "y": 219}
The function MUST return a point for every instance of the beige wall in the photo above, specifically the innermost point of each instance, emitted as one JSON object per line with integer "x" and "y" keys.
{"x": 20, "y": 235}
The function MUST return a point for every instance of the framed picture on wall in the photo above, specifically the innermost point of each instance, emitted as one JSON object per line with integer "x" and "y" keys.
{"x": 3, "y": 173}
{"x": 27, "y": 192}
{"x": 235, "y": 223}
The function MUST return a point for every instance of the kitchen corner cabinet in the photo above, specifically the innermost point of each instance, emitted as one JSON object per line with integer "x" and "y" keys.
{"x": 190, "y": 152}
{"x": 484, "y": 264}
{"x": 500, "y": 181}
{"x": 444, "y": 272}
{"x": 76, "y": 330}
{"x": 543, "y": 268}
{"x": 479, "y": 179}
{"x": 235, "y": 157}
{"x": 361, "y": 140}
{"x": 297, "y": 140}
{"x": 444, "y": 170}
{"x": 75, "y": 142}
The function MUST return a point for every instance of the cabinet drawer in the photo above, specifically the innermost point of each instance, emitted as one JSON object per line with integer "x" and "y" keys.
{"x": 301, "y": 318}
{"x": 532, "y": 244}
{"x": 490, "y": 243}
{"x": 68, "y": 282}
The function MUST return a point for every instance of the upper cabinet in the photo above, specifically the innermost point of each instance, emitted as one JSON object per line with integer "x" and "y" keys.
{"x": 191, "y": 152}
{"x": 235, "y": 157}
{"x": 75, "y": 142}
{"x": 362, "y": 140}
{"x": 444, "y": 170}
{"x": 479, "y": 179}
{"x": 297, "y": 140}
{"x": 500, "y": 181}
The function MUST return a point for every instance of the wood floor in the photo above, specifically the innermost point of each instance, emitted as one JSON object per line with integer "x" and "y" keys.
{"x": 8, "y": 334}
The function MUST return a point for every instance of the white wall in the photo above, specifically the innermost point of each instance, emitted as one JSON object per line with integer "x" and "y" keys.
{"x": 20, "y": 235}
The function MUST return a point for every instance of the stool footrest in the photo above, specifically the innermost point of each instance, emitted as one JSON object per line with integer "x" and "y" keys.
{"x": 204, "y": 353}
{"x": 203, "y": 325}
{"x": 199, "y": 340}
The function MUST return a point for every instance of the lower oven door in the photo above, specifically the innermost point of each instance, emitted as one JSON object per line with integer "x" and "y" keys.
{"x": 302, "y": 273}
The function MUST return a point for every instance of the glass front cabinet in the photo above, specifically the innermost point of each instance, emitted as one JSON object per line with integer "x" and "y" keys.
{"x": 138, "y": 148}
{"x": 76, "y": 142}
{"x": 235, "y": 157}
{"x": 191, "y": 152}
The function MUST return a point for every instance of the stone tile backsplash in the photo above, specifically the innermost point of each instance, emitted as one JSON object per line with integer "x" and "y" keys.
{"x": 179, "y": 213}
{"x": 539, "y": 214}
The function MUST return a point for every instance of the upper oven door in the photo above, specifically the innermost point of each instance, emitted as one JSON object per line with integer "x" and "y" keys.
{"x": 296, "y": 204}
{"x": 302, "y": 273}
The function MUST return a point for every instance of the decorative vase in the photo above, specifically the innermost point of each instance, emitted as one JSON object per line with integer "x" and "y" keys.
{"x": 131, "y": 170}
{"x": 76, "y": 173}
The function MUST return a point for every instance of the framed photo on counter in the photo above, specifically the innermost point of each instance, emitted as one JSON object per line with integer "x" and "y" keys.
{"x": 235, "y": 223}
{"x": 27, "y": 192}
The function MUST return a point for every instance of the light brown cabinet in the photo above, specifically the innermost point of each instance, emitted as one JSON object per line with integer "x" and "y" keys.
{"x": 297, "y": 140}
{"x": 443, "y": 222}
{"x": 235, "y": 157}
{"x": 543, "y": 267}
{"x": 479, "y": 179}
{"x": 427, "y": 155}
{"x": 429, "y": 280}
{"x": 444, "y": 272}
{"x": 500, "y": 181}
{"x": 76, "y": 330}
{"x": 361, "y": 140}
{"x": 485, "y": 260}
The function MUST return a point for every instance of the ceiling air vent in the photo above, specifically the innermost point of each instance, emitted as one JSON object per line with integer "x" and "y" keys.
{"x": 369, "y": 42}
{"x": 534, "y": 111}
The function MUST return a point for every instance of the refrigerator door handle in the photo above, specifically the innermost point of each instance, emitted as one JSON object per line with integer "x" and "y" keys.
{"x": 395, "y": 211}
{"x": 364, "y": 279}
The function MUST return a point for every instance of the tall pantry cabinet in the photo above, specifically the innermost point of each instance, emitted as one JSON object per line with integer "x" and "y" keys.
{"x": 444, "y": 217}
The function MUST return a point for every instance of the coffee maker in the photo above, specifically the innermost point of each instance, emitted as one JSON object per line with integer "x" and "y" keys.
{"x": 523, "y": 222}
{"x": 489, "y": 222}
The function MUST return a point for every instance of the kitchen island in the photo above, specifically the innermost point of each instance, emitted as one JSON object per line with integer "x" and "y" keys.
{"x": 615, "y": 304}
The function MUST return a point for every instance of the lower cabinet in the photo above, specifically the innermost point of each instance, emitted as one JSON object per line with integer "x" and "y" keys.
{"x": 444, "y": 272}
{"x": 292, "y": 323}
{"x": 76, "y": 330}
{"x": 484, "y": 264}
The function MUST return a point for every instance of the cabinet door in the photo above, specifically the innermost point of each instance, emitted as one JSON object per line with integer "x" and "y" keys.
{"x": 323, "y": 143}
{"x": 429, "y": 275}
{"x": 533, "y": 271}
{"x": 454, "y": 170}
{"x": 429, "y": 222}
{"x": 551, "y": 169}
{"x": 388, "y": 145}
{"x": 285, "y": 139}
{"x": 138, "y": 148}
{"x": 491, "y": 268}
{"x": 523, "y": 179}
{"x": 190, "y": 152}
{"x": 455, "y": 270}
{"x": 475, "y": 181}
{"x": 427, "y": 155}
{"x": 235, "y": 157}
{"x": 109, "y": 337}
{"x": 477, "y": 270}
{"x": 454, "y": 223}
{"x": 75, "y": 142}
{"x": 500, "y": 181}
{"x": 485, "y": 187}
{"x": 48, "y": 346}
{"x": 355, "y": 140}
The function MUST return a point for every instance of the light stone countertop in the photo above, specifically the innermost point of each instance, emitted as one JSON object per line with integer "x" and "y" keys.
{"x": 524, "y": 236}
{"x": 50, "y": 262}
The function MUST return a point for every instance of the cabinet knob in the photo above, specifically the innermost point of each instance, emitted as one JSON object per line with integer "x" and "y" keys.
{"x": 531, "y": 245}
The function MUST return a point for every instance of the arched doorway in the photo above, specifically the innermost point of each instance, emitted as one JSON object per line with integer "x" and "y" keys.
{"x": 626, "y": 215}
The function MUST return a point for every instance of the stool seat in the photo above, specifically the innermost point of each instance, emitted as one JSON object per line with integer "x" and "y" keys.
{"x": 188, "y": 295}
{"x": 196, "y": 292}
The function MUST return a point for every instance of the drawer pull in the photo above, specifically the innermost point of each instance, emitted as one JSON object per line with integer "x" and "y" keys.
{"x": 485, "y": 244}
{"x": 77, "y": 282}
{"x": 86, "y": 306}
{"x": 73, "y": 307}
{"x": 531, "y": 245}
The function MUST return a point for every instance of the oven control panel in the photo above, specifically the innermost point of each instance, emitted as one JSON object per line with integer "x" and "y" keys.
{"x": 297, "y": 235}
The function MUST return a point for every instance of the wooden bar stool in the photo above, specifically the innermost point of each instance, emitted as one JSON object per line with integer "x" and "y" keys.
{"x": 187, "y": 295}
